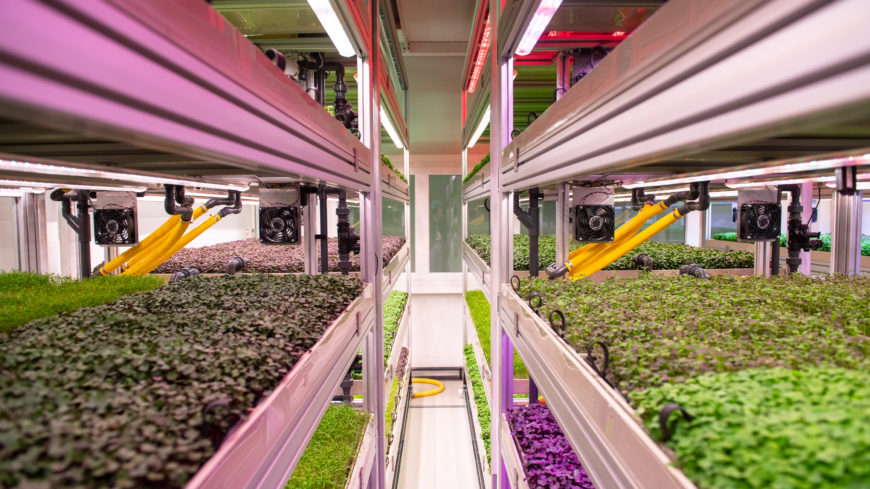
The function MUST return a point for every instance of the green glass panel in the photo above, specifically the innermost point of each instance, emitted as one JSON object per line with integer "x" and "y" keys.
{"x": 721, "y": 218}
{"x": 445, "y": 223}
{"x": 393, "y": 217}
{"x": 412, "y": 237}
{"x": 478, "y": 217}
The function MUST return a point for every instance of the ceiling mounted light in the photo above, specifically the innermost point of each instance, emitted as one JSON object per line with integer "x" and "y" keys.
{"x": 385, "y": 121}
{"x": 814, "y": 165}
{"x": 484, "y": 122}
{"x": 68, "y": 171}
{"x": 480, "y": 59}
{"x": 329, "y": 20}
{"x": 536, "y": 27}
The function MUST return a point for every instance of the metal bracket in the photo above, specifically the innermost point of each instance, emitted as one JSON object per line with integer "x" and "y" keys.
{"x": 355, "y": 163}
{"x": 357, "y": 324}
{"x": 517, "y": 160}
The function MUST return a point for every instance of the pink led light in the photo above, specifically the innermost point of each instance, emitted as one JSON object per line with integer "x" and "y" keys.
{"x": 618, "y": 33}
{"x": 536, "y": 27}
{"x": 482, "y": 51}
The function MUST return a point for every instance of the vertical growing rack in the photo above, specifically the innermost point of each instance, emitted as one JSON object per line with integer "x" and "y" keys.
{"x": 169, "y": 90}
{"x": 701, "y": 86}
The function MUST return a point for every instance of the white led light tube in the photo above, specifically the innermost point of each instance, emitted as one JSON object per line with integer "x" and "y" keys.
{"x": 536, "y": 27}
{"x": 385, "y": 121}
{"x": 756, "y": 172}
{"x": 480, "y": 128}
{"x": 329, "y": 20}
{"x": 68, "y": 171}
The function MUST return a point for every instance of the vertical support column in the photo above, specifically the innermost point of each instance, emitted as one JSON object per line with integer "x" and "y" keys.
{"x": 762, "y": 258}
{"x": 373, "y": 232}
{"x": 32, "y": 240}
{"x": 411, "y": 243}
{"x": 806, "y": 214}
{"x": 846, "y": 218}
{"x": 464, "y": 235}
{"x": 309, "y": 230}
{"x": 563, "y": 76}
{"x": 501, "y": 122}
{"x": 563, "y": 230}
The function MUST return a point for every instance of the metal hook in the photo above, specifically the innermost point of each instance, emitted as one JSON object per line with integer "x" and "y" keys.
{"x": 540, "y": 302}
{"x": 515, "y": 285}
{"x": 666, "y": 413}
{"x": 591, "y": 359}
{"x": 560, "y": 330}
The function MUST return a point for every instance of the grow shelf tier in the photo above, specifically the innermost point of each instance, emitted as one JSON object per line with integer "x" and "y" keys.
{"x": 510, "y": 454}
{"x": 477, "y": 187}
{"x": 395, "y": 268}
{"x": 477, "y": 267}
{"x": 264, "y": 450}
{"x": 398, "y": 342}
{"x": 229, "y": 107}
{"x": 705, "y": 85}
{"x": 611, "y": 444}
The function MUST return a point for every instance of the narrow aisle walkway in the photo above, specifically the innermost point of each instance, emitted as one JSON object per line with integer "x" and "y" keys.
{"x": 438, "y": 452}
{"x": 436, "y": 330}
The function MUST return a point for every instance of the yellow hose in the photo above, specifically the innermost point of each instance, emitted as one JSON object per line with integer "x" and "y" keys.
{"x": 149, "y": 254}
{"x": 158, "y": 250}
{"x": 432, "y": 392}
{"x": 181, "y": 243}
{"x": 626, "y": 246}
{"x": 152, "y": 238}
{"x": 593, "y": 251}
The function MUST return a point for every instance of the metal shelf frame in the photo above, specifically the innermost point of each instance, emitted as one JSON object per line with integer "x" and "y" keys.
{"x": 171, "y": 87}
{"x": 695, "y": 87}
{"x": 699, "y": 77}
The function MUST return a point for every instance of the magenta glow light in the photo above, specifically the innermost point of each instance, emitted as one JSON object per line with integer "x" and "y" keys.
{"x": 536, "y": 27}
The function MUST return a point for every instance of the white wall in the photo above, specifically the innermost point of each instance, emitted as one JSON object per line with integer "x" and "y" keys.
{"x": 8, "y": 235}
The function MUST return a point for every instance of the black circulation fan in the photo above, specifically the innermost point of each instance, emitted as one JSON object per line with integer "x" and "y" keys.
{"x": 115, "y": 227}
{"x": 279, "y": 225}
{"x": 594, "y": 223}
{"x": 759, "y": 222}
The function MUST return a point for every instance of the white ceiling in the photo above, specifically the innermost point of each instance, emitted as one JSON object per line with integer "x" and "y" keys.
{"x": 436, "y": 37}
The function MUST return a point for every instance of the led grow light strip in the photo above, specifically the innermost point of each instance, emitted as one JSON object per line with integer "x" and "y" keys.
{"x": 44, "y": 169}
{"x": 764, "y": 183}
{"x": 536, "y": 27}
{"x": 722, "y": 193}
{"x": 480, "y": 59}
{"x": 385, "y": 121}
{"x": 858, "y": 186}
{"x": 484, "y": 122}
{"x": 44, "y": 185}
{"x": 329, "y": 20}
{"x": 755, "y": 172}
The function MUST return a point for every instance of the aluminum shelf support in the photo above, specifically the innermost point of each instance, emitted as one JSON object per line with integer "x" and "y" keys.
{"x": 191, "y": 85}
{"x": 734, "y": 72}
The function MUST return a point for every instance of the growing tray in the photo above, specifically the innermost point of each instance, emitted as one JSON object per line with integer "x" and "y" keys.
{"x": 606, "y": 435}
{"x": 395, "y": 268}
{"x": 392, "y": 186}
{"x": 400, "y": 340}
{"x": 510, "y": 453}
{"x": 478, "y": 187}
{"x": 365, "y": 458}
{"x": 265, "y": 449}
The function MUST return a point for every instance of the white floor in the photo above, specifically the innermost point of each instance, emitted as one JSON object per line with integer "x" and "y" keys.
{"x": 438, "y": 446}
{"x": 436, "y": 330}
{"x": 438, "y": 449}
